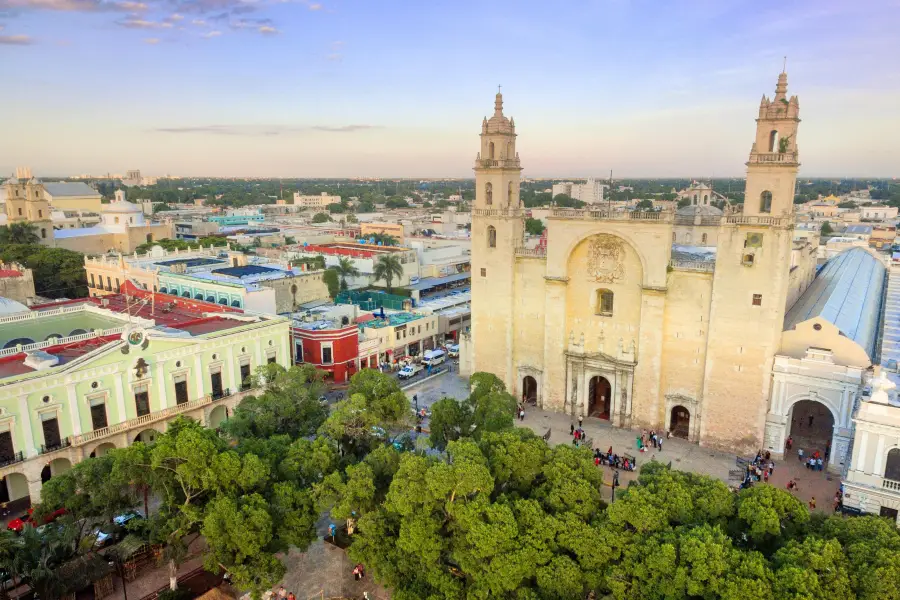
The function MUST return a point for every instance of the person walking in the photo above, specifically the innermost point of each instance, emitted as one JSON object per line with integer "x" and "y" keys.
{"x": 800, "y": 454}
{"x": 282, "y": 593}
{"x": 571, "y": 428}
{"x": 789, "y": 443}
{"x": 659, "y": 443}
{"x": 812, "y": 503}
{"x": 580, "y": 421}
{"x": 521, "y": 414}
{"x": 820, "y": 465}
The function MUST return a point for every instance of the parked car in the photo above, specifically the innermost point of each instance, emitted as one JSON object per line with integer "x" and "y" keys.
{"x": 434, "y": 357}
{"x": 409, "y": 370}
{"x": 453, "y": 350}
{"x": 18, "y": 524}
{"x": 112, "y": 533}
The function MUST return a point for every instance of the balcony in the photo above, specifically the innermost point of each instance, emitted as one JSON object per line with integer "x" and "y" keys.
{"x": 758, "y": 220}
{"x": 5, "y": 461}
{"x": 219, "y": 395}
{"x": 889, "y": 484}
{"x": 611, "y": 215}
{"x": 702, "y": 266}
{"x": 160, "y": 415}
{"x": 505, "y": 163}
{"x": 63, "y": 443}
{"x": 531, "y": 252}
{"x": 498, "y": 212}
{"x": 788, "y": 158}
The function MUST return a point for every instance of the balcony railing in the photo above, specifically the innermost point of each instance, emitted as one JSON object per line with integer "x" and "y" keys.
{"x": 611, "y": 215}
{"x": 693, "y": 265}
{"x": 61, "y": 340}
{"x": 774, "y": 157}
{"x": 757, "y": 220}
{"x": 160, "y": 415}
{"x": 63, "y": 443}
{"x": 5, "y": 461}
{"x": 498, "y": 212}
{"x": 506, "y": 163}
{"x": 531, "y": 252}
{"x": 222, "y": 394}
{"x": 890, "y": 485}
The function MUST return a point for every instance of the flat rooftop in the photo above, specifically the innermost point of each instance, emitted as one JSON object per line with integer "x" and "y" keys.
{"x": 391, "y": 320}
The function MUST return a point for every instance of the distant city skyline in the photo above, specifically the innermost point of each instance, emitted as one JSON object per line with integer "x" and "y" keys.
{"x": 345, "y": 88}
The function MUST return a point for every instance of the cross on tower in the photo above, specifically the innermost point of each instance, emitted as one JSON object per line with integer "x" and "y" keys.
{"x": 498, "y": 89}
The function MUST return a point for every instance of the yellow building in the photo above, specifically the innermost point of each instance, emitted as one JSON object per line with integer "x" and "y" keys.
{"x": 615, "y": 322}
{"x": 395, "y": 230}
{"x": 73, "y": 196}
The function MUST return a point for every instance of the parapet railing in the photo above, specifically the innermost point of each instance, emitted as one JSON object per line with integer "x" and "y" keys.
{"x": 56, "y": 341}
{"x": 693, "y": 265}
{"x": 773, "y": 157}
{"x": 498, "y": 212}
{"x": 611, "y": 215}
{"x": 531, "y": 252}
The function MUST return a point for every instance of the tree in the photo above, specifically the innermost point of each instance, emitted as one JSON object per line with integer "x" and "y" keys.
{"x": 846, "y": 204}
{"x": 564, "y": 201}
{"x": 58, "y": 273}
{"x": 684, "y": 202}
{"x": 450, "y": 420}
{"x": 645, "y": 204}
{"x": 396, "y": 202}
{"x": 321, "y": 218}
{"x": 19, "y": 233}
{"x": 826, "y": 228}
{"x": 534, "y": 226}
{"x": 332, "y": 281}
{"x": 346, "y": 268}
{"x": 289, "y": 405}
{"x": 289, "y": 240}
{"x": 383, "y": 239}
{"x": 387, "y": 267}
{"x": 366, "y": 206}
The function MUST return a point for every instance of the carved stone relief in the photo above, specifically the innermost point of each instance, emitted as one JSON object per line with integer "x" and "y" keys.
{"x": 606, "y": 259}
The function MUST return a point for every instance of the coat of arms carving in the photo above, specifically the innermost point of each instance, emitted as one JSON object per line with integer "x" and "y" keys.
{"x": 606, "y": 259}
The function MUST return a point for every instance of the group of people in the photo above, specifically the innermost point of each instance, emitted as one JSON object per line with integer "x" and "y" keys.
{"x": 656, "y": 440}
{"x": 613, "y": 460}
{"x": 284, "y": 595}
{"x": 814, "y": 462}
{"x": 520, "y": 411}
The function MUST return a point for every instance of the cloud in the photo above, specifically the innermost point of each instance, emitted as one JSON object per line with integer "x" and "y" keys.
{"x": 74, "y": 5}
{"x": 267, "y": 30}
{"x": 334, "y": 57}
{"x": 151, "y": 41}
{"x": 15, "y": 40}
{"x": 174, "y": 17}
{"x": 315, "y": 6}
{"x": 212, "y": 34}
{"x": 136, "y": 22}
{"x": 199, "y": 22}
{"x": 264, "y": 130}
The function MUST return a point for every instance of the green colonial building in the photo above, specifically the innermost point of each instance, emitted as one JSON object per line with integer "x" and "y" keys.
{"x": 81, "y": 377}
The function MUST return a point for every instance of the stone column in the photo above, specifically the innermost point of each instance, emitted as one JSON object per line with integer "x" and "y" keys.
{"x": 646, "y": 404}
{"x": 34, "y": 489}
{"x": 120, "y": 398}
{"x": 556, "y": 392}
{"x": 27, "y": 432}
{"x": 229, "y": 356}
{"x": 74, "y": 412}
{"x": 198, "y": 376}
{"x": 158, "y": 372}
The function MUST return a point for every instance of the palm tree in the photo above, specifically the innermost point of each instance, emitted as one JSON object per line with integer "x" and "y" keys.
{"x": 345, "y": 269}
{"x": 19, "y": 233}
{"x": 384, "y": 238}
{"x": 388, "y": 267}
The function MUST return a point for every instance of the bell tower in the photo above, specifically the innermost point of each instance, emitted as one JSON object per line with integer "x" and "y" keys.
{"x": 774, "y": 159}
{"x": 498, "y": 229}
{"x": 26, "y": 202}
{"x": 750, "y": 285}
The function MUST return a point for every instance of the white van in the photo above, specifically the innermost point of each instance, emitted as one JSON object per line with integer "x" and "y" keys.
{"x": 453, "y": 350}
{"x": 434, "y": 357}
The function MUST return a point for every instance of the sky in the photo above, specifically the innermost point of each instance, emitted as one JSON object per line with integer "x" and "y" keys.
{"x": 365, "y": 88}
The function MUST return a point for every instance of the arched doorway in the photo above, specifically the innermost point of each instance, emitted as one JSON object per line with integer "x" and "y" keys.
{"x": 217, "y": 416}
{"x": 599, "y": 398}
{"x": 15, "y": 486}
{"x": 680, "y": 422}
{"x": 103, "y": 449}
{"x": 811, "y": 428}
{"x": 529, "y": 389}
{"x": 148, "y": 436}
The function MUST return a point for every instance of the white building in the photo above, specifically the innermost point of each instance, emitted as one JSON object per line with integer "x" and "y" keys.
{"x": 320, "y": 201}
{"x": 590, "y": 192}
{"x": 877, "y": 213}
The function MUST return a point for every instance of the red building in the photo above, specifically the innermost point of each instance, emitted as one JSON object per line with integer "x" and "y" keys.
{"x": 333, "y": 348}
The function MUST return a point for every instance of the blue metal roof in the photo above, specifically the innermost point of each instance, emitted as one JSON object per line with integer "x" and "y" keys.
{"x": 426, "y": 283}
{"x": 847, "y": 292}
{"x": 70, "y": 188}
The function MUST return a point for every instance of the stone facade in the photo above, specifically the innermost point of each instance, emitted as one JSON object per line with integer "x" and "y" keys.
{"x": 608, "y": 323}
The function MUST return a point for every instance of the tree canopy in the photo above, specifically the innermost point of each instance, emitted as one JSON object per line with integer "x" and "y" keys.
{"x": 58, "y": 273}
{"x": 534, "y": 226}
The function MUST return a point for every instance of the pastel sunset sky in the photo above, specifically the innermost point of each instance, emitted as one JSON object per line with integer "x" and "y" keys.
{"x": 342, "y": 88}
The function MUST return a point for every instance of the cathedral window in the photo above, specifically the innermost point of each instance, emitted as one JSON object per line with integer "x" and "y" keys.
{"x": 704, "y": 238}
{"x": 757, "y": 299}
{"x": 748, "y": 260}
{"x": 773, "y": 141}
{"x": 492, "y": 237}
{"x": 706, "y": 199}
{"x": 674, "y": 237}
{"x": 509, "y": 195}
{"x": 488, "y": 193}
{"x": 604, "y": 303}
{"x": 491, "y": 150}
{"x": 765, "y": 202}
{"x": 20, "y": 212}
{"x": 117, "y": 220}
{"x": 892, "y": 465}
{"x": 43, "y": 233}
{"x": 40, "y": 213}
{"x": 484, "y": 272}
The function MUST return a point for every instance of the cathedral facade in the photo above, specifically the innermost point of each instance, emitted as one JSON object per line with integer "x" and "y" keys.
{"x": 621, "y": 317}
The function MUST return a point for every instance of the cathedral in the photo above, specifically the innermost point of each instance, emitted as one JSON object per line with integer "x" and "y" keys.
{"x": 664, "y": 320}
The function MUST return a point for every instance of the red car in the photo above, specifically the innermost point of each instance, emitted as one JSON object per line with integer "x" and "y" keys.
{"x": 18, "y": 525}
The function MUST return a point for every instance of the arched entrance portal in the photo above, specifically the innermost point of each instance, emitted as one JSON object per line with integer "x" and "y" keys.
{"x": 812, "y": 428}
{"x": 680, "y": 422}
{"x": 529, "y": 389}
{"x": 218, "y": 415}
{"x": 599, "y": 397}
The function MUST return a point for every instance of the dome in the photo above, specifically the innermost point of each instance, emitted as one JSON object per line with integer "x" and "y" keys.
{"x": 698, "y": 209}
{"x": 35, "y": 181}
{"x": 12, "y": 181}
{"x": 498, "y": 123}
{"x": 122, "y": 207}
{"x": 11, "y": 307}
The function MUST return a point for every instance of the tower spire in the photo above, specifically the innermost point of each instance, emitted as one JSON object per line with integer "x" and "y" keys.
{"x": 781, "y": 86}
{"x": 498, "y": 103}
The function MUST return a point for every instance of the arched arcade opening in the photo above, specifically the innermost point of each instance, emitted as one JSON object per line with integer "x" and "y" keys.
{"x": 811, "y": 428}
{"x": 680, "y": 422}
{"x": 529, "y": 389}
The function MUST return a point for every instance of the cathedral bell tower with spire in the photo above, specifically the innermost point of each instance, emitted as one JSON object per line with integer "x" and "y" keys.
{"x": 498, "y": 229}
{"x": 750, "y": 285}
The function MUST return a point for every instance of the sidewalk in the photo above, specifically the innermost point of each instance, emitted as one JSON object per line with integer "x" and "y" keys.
{"x": 683, "y": 455}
